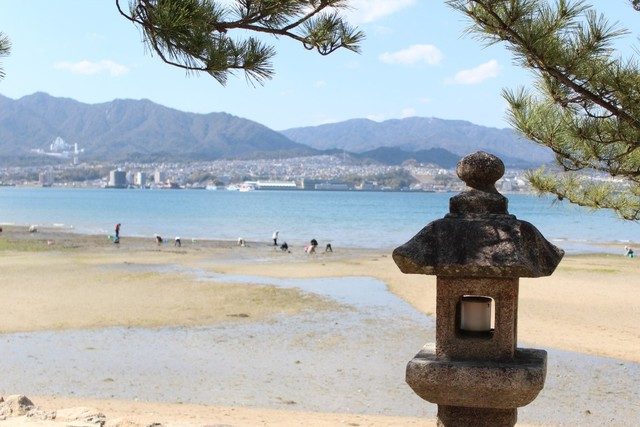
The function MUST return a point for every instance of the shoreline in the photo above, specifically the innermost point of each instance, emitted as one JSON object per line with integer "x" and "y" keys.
{"x": 595, "y": 248}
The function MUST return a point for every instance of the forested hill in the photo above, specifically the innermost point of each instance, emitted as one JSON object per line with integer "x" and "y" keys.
{"x": 135, "y": 129}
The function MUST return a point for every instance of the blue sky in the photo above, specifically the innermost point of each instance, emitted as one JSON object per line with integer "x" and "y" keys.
{"x": 415, "y": 62}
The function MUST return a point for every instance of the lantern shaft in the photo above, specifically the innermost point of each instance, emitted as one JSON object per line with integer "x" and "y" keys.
{"x": 458, "y": 416}
{"x": 453, "y": 341}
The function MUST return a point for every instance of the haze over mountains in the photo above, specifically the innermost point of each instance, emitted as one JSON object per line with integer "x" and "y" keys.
{"x": 140, "y": 130}
{"x": 421, "y": 133}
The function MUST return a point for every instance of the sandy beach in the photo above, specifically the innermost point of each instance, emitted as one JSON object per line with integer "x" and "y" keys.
{"x": 584, "y": 306}
{"x": 85, "y": 286}
{"x": 133, "y": 414}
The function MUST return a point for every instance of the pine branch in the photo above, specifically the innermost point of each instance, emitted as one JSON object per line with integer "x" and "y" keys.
{"x": 587, "y": 192}
{"x": 539, "y": 50}
{"x": 586, "y": 108}
{"x": 5, "y": 50}
{"x": 194, "y": 35}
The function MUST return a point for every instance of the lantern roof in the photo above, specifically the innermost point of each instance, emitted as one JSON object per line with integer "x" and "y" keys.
{"x": 479, "y": 238}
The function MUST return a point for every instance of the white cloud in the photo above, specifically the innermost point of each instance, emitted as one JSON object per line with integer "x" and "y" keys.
{"x": 407, "y": 112}
{"x": 320, "y": 83}
{"x": 476, "y": 75}
{"x": 86, "y": 67}
{"x": 427, "y": 53}
{"x": 424, "y": 100}
{"x": 365, "y": 11}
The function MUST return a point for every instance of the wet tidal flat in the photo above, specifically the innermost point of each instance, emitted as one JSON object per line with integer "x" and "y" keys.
{"x": 221, "y": 325}
{"x": 350, "y": 359}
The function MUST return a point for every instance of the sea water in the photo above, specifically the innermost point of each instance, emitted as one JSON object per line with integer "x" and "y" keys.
{"x": 378, "y": 220}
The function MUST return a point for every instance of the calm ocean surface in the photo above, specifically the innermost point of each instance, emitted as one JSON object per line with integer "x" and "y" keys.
{"x": 354, "y": 219}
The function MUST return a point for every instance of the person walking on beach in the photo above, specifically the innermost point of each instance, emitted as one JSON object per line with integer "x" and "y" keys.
{"x": 629, "y": 253}
{"x": 177, "y": 242}
{"x": 275, "y": 237}
{"x": 117, "y": 239}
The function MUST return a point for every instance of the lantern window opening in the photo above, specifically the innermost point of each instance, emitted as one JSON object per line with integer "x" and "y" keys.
{"x": 476, "y": 316}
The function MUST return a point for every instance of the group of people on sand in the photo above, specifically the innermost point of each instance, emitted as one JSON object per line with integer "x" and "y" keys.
{"x": 176, "y": 242}
{"x": 309, "y": 249}
{"x": 159, "y": 240}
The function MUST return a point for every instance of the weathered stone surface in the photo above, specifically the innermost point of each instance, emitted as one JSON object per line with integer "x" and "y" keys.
{"x": 480, "y": 171}
{"x": 457, "y": 416}
{"x": 495, "y": 246}
{"x": 15, "y": 406}
{"x": 123, "y": 422}
{"x": 499, "y": 344}
{"x": 82, "y": 414}
{"x": 478, "y": 383}
{"x": 41, "y": 414}
{"x": 474, "y": 202}
{"x": 478, "y": 238}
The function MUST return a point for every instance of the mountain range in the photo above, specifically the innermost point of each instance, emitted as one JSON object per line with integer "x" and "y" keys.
{"x": 421, "y": 133}
{"x": 143, "y": 131}
{"x": 135, "y": 130}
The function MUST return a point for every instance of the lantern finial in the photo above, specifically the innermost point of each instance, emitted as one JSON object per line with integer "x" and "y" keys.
{"x": 480, "y": 171}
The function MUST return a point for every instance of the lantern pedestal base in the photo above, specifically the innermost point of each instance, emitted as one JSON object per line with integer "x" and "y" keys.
{"x": 458, "y": 416}
{"x": 478, "y": 383}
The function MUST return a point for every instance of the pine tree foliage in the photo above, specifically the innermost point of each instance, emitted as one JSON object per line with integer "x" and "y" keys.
{"x": 5, "y": 49}
{"x": 196, "y": 35}
{"x": 586, "y": 102}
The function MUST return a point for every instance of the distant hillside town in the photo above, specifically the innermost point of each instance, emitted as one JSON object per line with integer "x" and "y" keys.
{"x": 315, "y": 173}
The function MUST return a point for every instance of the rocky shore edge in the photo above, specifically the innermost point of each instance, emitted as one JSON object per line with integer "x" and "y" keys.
{"x": 21, "y": 410}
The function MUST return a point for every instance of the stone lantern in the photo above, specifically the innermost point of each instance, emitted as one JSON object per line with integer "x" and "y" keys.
{"x": 476, "y": 374}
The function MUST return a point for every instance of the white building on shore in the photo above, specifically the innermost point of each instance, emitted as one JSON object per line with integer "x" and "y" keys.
{"x": 117, "y": 179}
{"x": 140, "y": 179}
{"x": 273, "y": 185}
